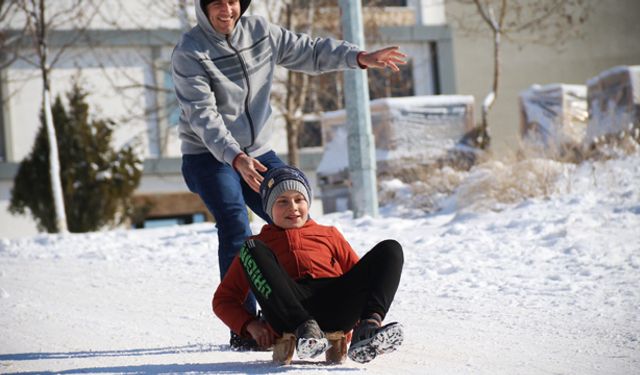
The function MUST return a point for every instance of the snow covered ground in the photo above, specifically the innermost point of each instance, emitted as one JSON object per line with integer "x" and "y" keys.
{"x": 543, "y": 285}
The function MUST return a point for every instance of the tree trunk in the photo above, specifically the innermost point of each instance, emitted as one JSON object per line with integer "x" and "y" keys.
{"x": 489, "y": 100}
{"x": 291, "y": 122}
{"x": 54, "y": 165}
{"x": 489, "y": 17}
{"x": 54, "y": 160}
{"x": 290, "y": 107}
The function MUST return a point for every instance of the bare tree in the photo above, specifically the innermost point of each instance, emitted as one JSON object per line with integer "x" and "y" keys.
{"x": 297, "y": 83}
{"x": 295, "y": 96}
{"x": 548, "y": 22}
{"x": 301, "y": 94}
{"x": 39, "y": 20}
{"x": 147, "y": 15}
{"x": 10, "y": 39}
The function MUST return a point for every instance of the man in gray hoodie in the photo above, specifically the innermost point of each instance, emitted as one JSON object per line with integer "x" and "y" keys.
{"x": 223, "y": 72}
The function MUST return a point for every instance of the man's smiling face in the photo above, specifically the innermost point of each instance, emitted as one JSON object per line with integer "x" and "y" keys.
{"x": 223, "y": 15}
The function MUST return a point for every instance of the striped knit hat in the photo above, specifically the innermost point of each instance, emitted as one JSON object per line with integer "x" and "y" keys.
{"x": 279, "y": 180}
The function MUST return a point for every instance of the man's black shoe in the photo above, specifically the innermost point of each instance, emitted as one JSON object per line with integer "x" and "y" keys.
{"x": 242, "y": 344}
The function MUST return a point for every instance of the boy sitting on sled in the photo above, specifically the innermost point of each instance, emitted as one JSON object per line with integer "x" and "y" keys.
{"x": 308, "y": 280}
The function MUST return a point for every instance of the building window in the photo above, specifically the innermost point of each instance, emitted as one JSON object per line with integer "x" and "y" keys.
{"x": 3, "y": 151}
{"x": 310, "y": 133}
{"x": 435, "y": 68}
{"x": 387, "y": 84}
{"x": 385, "y": 3}
{"x": 3, "y": 140}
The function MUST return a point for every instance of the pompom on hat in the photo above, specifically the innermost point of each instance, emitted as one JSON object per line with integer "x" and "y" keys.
{"x": 277, "y": 181}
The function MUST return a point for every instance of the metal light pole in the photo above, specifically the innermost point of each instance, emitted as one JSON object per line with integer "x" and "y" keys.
{"x": 362, "y": 160}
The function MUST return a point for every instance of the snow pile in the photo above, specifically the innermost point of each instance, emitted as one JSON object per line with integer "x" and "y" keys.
{"x": 491, "y": 185}
{"x": 495, "y": 185}
{"x": 426, "y": 194}
{"x": 529, "y": 268}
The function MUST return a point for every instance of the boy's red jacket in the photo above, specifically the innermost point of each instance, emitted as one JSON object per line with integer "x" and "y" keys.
{"x": 314, "y": 250}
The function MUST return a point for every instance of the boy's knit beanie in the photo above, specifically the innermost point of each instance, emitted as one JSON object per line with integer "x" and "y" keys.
{"x": 277, "y": 181}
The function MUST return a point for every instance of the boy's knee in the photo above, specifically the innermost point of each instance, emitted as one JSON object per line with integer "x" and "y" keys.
{"x": 392, "y": 250}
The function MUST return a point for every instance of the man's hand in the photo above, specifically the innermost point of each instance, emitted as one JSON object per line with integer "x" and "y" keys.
{"x": 248, "y": 168}
{"x": 261, "y": 332}
{"x": 383, "y": 58}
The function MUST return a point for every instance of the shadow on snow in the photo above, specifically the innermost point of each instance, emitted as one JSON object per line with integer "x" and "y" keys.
{"x": 194, "y": 348}
{"x": 240, "y": 367}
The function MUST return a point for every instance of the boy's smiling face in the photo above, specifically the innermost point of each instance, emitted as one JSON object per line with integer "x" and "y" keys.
{"x": 290, "y": 210}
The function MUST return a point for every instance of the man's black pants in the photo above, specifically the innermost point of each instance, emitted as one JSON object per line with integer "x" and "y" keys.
{"x": 335, "y": 303}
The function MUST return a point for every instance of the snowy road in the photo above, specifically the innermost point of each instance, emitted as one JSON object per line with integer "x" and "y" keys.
{"x": 544, "y": 286}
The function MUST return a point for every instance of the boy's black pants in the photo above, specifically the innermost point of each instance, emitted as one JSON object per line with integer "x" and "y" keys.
{"x": 335, "y": 303}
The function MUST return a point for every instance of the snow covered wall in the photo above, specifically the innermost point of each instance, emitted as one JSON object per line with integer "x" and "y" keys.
{"x": 614, "y": 102}
{"x": 407, "y": 130}
{"x": 420, "y": 127}
{"x": 553, "y": 115}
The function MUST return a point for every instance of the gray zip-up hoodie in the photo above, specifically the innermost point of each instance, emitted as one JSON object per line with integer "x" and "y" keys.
{"x": 223, "y": 82}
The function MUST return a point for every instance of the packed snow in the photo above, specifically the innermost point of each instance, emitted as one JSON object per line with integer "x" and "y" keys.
{"x": 527, "y": 268}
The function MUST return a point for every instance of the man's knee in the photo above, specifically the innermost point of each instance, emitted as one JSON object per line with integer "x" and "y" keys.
{"x": 233, "y": 222}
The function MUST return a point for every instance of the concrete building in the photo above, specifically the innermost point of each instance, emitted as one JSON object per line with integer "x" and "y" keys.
{"x": 127, "y": 51}
{"x": 119, "y": 58}
{"x": 610, "y": 37}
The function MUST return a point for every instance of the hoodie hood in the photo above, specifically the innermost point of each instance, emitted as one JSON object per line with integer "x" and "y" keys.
{"x": 203, "y": 20}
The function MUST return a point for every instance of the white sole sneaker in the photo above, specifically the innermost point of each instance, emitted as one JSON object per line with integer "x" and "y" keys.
{"x": 311, "y": 348}
{"x": 385, "y": 340}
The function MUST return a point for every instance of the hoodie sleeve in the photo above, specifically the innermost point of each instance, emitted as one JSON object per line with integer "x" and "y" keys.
{"x": 300, "y": 52}
{"x": 229, "y": 298}
{"x": 198, "y": 105}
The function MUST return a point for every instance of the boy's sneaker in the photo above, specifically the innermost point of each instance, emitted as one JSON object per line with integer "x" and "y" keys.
{"x": 370, "y": 340}
{"x": 310, "y": 340}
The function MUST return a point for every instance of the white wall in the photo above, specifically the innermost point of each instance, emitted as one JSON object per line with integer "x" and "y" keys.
{"x": 423, "y": 74}
{"x": 429, "y": 12}
{"x": 110, "y": 14}
{"x": 13, "y": 226}
{"x": 113, "y": 79}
